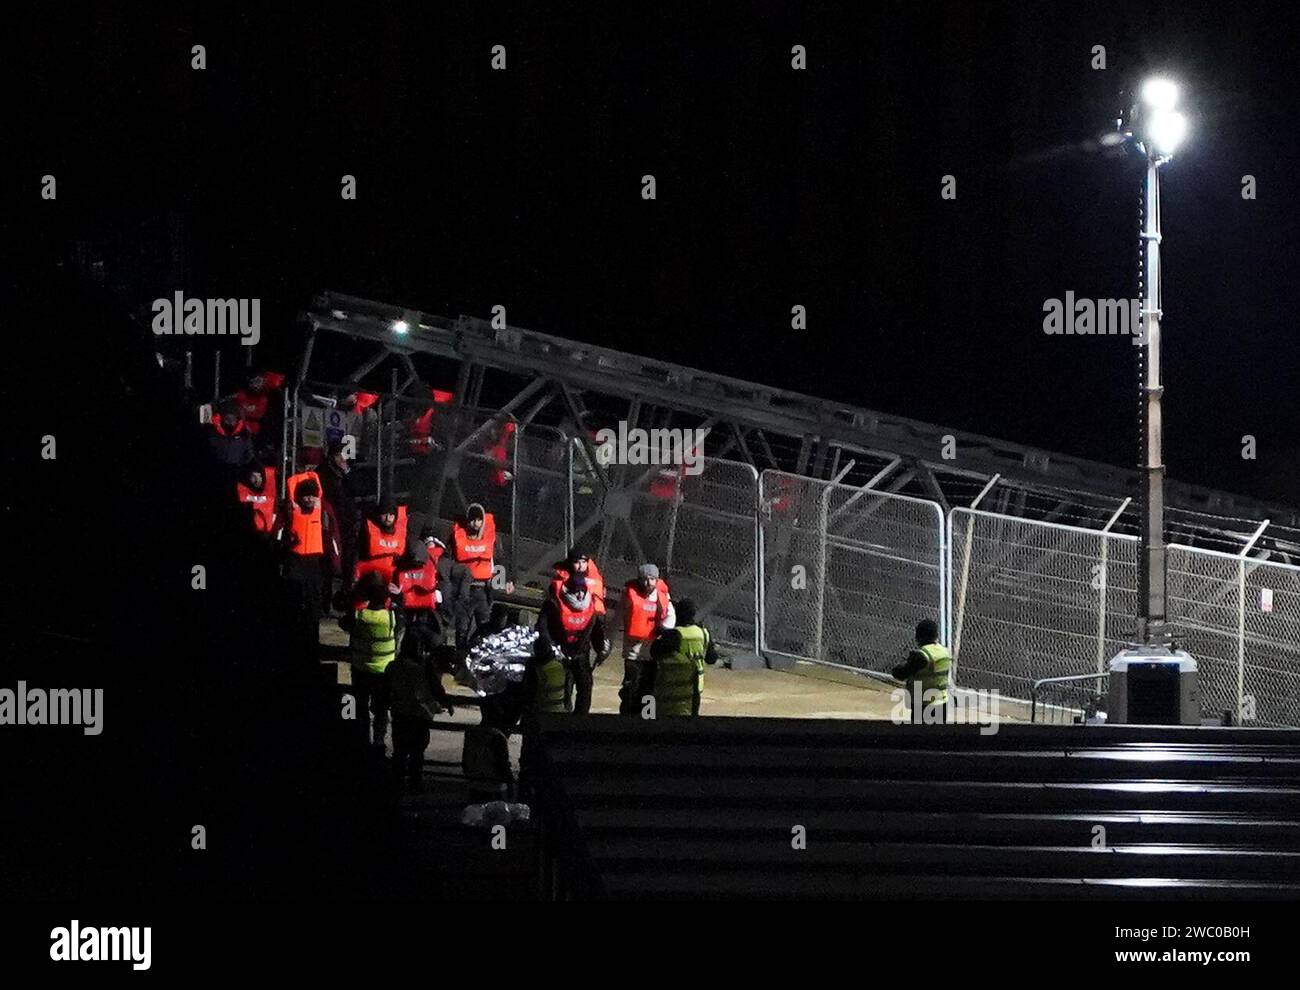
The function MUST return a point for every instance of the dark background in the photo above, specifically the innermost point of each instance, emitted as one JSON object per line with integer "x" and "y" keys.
{"x": 775, "y": 187}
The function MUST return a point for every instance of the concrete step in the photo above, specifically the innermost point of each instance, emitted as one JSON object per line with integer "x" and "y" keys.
{"x": 613, "y": 854}
{"x": 1160, "y": 827}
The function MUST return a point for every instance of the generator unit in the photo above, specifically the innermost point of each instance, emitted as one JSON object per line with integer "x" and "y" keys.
{"x": 1153, "y": 686}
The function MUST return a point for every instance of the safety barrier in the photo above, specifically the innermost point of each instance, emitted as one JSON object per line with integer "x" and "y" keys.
{"x": 848, "y": 571}
{"x": 1239, "y": 617}
{"x": 1035, "y": 600}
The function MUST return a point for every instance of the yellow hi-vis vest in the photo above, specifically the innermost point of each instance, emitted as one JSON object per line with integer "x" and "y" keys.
{"x": 374, "y": 641}
{"x": 934, "y": 675}
{"x": 552, "y": 687}
{"x": 679, "y": 677}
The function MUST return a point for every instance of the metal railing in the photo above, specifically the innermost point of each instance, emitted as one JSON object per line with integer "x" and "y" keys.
{"x": 1084, "y": 711}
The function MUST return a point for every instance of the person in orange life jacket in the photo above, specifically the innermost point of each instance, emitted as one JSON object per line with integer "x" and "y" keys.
{"x": 256, "y": 492}
{"x": 473, "y": 543}
{"x": 416, "y": 578}
{"x": 306, "y": 532}
{"x": 499, "y": 452}
{"x": 453, "y": 580}
{"x": 647, "y": 608}
{"x": 667, "y": 482}
{"x": 339, "y": 489}
{"x": 253, "y": 398}
{"x": 569, "y": 624}
{"x": 229, "y": 439}
{"x": 384, "y": 535}
{"x": 420, "y": 437}
{"x": 577, "y": 561}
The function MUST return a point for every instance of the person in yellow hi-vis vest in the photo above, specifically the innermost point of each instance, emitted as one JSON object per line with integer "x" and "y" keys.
{"x": 547, "y": 680}
{"x": 925, "y": 672}
{"x": 677, "y": 659}
{"x": 373, "y": 644}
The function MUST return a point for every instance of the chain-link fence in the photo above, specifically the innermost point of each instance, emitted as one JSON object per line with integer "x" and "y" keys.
{"x": 1033, "y": 599}
{"x": 543, "y": 522}
{"x": 1239, "y": 617}
{"x": 698, "y": 528}
{"x": 1271, "y": 644}
{"x": 848, "y": 572}
{"x": 712, "y": 550}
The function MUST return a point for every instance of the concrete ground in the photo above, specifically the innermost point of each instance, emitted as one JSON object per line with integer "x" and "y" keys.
{"x": 808, "y": 691}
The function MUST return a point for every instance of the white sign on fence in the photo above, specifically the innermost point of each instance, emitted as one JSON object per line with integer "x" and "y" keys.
{"x": 313, "y": 427}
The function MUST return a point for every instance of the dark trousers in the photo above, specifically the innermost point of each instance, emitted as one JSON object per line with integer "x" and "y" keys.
{"x": 579, "y": 668}
{"x": 638, "y": 677}
{"x": 927, "y": 713}
{"x": 306, "y": 576}
{"x": 373, "y": 703}
{"x": 426, "y": 618}
{"x": 410, "y": 740}
{"x": 474, "y": 612}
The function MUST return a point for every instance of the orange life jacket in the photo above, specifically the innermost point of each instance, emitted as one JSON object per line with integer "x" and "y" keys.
{"x": 574, "y": 621}
{"x": 307, "y": 527}
{"x": 240, "y": 426}
{"x": 364, "y": 401}
{"x": 475, "y": 552}
{"x": 500, "y": 454}
{"x": 595, "y": 584}
{"x": 263, "y": 502}
{"x": 418, "y": 585}
{"x": 381, "y": 544}
{"x": 665, "y": 482}
{"x": 419, "y": 431}
{"x": 253, "y": 407}
{"x": 643, "y": 613}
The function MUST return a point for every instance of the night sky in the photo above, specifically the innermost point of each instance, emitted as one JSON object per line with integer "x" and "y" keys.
{"x": 775, "y": 188}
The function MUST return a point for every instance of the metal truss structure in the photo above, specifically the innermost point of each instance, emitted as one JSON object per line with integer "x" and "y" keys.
{"x": 533, "y": 377}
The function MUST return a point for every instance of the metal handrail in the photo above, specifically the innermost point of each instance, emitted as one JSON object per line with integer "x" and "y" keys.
{"x": 1033, "y": 691}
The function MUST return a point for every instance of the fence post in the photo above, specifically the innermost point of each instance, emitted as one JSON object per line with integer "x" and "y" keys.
{"x": 568, "y": 489}
{"x": 286, "y": 455}
{"x": 379, "y": 455}
{"x": 672, "y": 523}
{"x": 293, "y": 433}
{"x": 760, "y": 572}
{"x": 216, "y": 376}
{"x": 1105, "y": 579}
{"x": 514, "y": 498}
{"x": 822, "y": 540}
{"x": 1241, "y": 616}
{"x": 944, "y": 596}
{"x": 965, "y": 573}
{"x": 1241, "y": 635}
{"x": 819, "y": 602}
